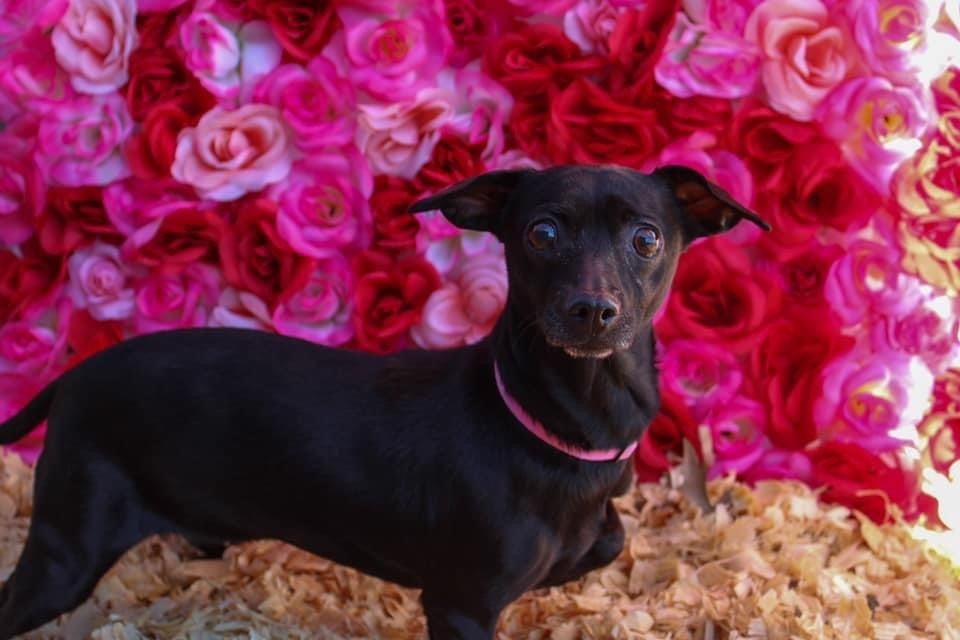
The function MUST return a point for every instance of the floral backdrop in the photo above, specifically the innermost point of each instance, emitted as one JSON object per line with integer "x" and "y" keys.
{"x": 179, "y": 163}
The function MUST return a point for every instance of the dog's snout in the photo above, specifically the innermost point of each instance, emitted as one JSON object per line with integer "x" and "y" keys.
{"x": 593, "y": 313}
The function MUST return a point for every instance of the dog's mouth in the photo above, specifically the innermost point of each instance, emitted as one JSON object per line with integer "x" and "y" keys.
{"x": 581, "y": 352}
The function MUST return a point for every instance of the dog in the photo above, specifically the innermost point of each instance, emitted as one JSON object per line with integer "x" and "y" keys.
{"x": 474, "y": 474}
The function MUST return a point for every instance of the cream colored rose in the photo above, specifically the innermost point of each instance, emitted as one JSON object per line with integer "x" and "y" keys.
{"x": 93, "y": 42}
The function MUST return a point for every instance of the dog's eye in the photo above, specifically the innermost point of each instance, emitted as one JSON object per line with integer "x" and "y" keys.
{"x": 647, "y": 242}
{"x": 542, "y": 235}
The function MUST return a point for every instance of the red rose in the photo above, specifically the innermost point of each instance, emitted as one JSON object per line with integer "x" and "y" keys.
{"x": 303, "y": 27}
{"x": 394, "y": 227}
{"x": 946, "y": 393}
{"x": 472, "y": 25}
{"x": 802, "y": 270}
{"x": 73, "y": 217}
{"x": 453, "y": 160}
{"x": 86, "y": 336}
{"x": 537, "y": 60}
{"x": 158, "y": 77}
{"x": 587, "y": 125}
{"x": 636, "y": 43}
{"x": 719, "y": 296}
{"x": 944, "y": 445}
{"x": 683, "y": 116}
{"x": 28, "y": 281}
{"x": 665, "y": 436}
{"x": 528, "y": 127}
{"x": 150, "y": 152}
{"x": 853, "y": 476}
{"x": 946, "y": 91}
{"x": 253, "y": 255}
{"x": 766, "y": 139}
{"x": 785, "y": 374}
{"x": 183, "y": 238}
{"x": 389, "y": 298}
{"x": 159, "y": 30}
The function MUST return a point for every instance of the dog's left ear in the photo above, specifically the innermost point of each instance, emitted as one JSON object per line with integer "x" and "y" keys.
{"x": 475, "y": 203}
{"x": 708, "y": 209}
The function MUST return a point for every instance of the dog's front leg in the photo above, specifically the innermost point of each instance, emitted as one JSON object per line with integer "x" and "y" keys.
{"x": 464, "y": 621}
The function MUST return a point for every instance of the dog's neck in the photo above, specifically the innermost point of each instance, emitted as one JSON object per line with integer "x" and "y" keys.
{"x": 586, "y": 402}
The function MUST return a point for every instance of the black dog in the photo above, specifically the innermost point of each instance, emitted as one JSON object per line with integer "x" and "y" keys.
{"x": 414, "y": 467}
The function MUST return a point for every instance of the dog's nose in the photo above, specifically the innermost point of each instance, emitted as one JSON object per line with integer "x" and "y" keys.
{"x": 597, "y": 313}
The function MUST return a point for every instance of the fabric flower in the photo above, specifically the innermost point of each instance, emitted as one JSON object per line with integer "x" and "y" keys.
{"x": 93, "y": 42}
{"x": 99, "y": 282}
{"x": 319, "y": 306}
{"x": 703, "y": 374}
{"x": 166, "y": 301}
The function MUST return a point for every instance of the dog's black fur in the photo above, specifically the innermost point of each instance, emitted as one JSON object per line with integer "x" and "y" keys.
{"x": 408, "y": 467}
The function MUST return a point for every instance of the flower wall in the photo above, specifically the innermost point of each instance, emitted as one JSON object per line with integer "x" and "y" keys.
{"x": 249, "y": 163}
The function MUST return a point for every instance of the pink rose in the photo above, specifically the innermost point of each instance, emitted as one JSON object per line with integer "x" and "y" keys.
{"x": 319, "y": 309}
{"x": 137, "y": 207}
{"x": 317, "y": 103}
{"x": 889, "y": 33}
{"x": 241, "y": 310}
{"x": 590, "y": 23}
{"x": 728, "y": 16}
{"x": 805, "y": 56}
{"x": 393, "y": 55}
{"x": 868, "y": 279}
{"x": 736, "y": 430}
{"x": 27, "y": 349}
{"x": 540, "y": 7}
{"x": 867, "y": 396}
{"x": 159, "y": 6}
{"x": 717, "y": 64}
{"x": 173, "y": 301}
{"x": 879, "y": 125}
{"x": 397, "y": 139}
{"x": 224, "y": 59}
{"x": 324, "y": 203}
{"x": 779, "y": 464}
{"x": 98, "y": 282}
{"x": 93, "y": 42}
{"x": 31, "y": 77}
{"x": 928, "y": 331}
{"x": 21, "y": 190}
{"x": 466, "y": 308}
{"x": 18, "y": 17}
{"x": 80, "y": 143}
{"x": 705, "y": 375}
{"x": 481, "y": 106}
{"x": 444, "y": 245}
{"x": 16, "y": 390}
{"x": 230, "y": 153}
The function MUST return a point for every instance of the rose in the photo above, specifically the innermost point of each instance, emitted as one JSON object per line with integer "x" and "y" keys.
{"x": 694, "y": 114}
{"x": 185, "y": 237}
{"x": 230, "y": 153}
{"x": 590, "y": 25}
{"x": 73, "y": 217}
{"x": 664, "y": 437}
{"x": 397, "y": 139}
{"x": 93, "y": 41}
{"x": 480, "y": 109}
{"x": 785, "y": 374}
{"x": 158, "y": 6}
{"x": 31, "y": 78}
{"x": 317, "y": 104}
{"x": 151, "y": 152}
{"x": 241, "y": 310}
{"x": 158, "y": 77}
{"x": 702, "y": 374}
{"x": 452, "y": 161}
{"x": 528, "y": 127}
{"x": 946, "y": 392}
{"x": 389, "y": 298}
{"x": 395, "y": 228}
{"x": 466, "y": 307}
{"x": 618, "y": 132}
{"x": 472, "y": 26}
{"x": 803, "y": 271}
{"x": 707, "y": 63}
{"x": 766, "y": 140}
{"x": 27, "y": 349}
{"x": 778, "y": 464}
{"x": 29, "y": 279}
{"x": 889, "y": 33}
{"x": 319, "y": 307}
{"x": 159, "y": 30}
{"x": 254, "y": 256}
{"x": 303, "y": 27}
{"x": 928, "y": 331}
{"x": 87, "y": 336}
{"x": 393, "y": 56}
{"x": 718, "y": 296}
{"x": 21, "y": 190}
{"x": 857, "y": 479}
{"x": 722, "y": 15}
{"x": 19, "y": 17}
{"x": 541, "y": 7}
{"x": 868, "y": 280}
{"x": 79, "y": 143}
{"x": 98, "y": 282}
{"x": 944, "y": 445}
{"x": 15, "y": 392}
{"x": 805, "y": 56}
{"x": 636, "y": 44}
{"x": 445, "y": 245}
{"x": 176, "y": 300}
{"x": 324, "y": 206}
{"x": 136, "y": 207}
{"x": 736, "y": 431}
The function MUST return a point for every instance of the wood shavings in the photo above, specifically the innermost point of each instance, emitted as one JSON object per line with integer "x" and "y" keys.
{"x": 767, "y": 563}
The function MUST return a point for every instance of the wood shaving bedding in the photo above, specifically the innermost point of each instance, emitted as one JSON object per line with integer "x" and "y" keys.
{"x": 768, "y": 562}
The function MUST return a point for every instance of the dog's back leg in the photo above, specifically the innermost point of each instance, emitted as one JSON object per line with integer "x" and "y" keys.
{"x": 83, "y": 521}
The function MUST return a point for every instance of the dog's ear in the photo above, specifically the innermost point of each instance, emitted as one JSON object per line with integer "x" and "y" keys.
{"x": 475, "y": 203}
{"x": 708, "y": 209}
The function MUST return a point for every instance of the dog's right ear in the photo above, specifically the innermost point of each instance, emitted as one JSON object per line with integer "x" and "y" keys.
{"x": 475, "y": 203}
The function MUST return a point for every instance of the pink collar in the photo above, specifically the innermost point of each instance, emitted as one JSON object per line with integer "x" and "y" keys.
{"x": 536, "y": 428}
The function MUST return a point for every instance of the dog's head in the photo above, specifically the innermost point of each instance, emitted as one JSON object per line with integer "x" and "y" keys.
{"x": 590, "y": 251}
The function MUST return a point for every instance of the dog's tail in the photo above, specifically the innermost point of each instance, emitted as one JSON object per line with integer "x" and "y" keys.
{"x": 29, "y": 417}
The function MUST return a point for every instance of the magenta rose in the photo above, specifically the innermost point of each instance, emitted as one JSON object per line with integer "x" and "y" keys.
{"x": 99, "y": 282}
{"x": 703, "y": 374}
{"x": 319, "y": 307}
{"x": 21, "y": 190}
{"x": 180, "y": 300}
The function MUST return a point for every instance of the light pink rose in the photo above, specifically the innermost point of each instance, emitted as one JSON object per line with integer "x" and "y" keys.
{"x": 805, "y": 55}
{"x": 466, "y": 308}
{"x": 21, "y": 190}
{"x": 590, "y": 23}
{"x": 324, "y": 203}
{"x": 16, "y": 390}
{"x": 445, "y": 245}
{"x": 93, "y": 42}
{"x": 318, "y": 104}
{"x": 320, "y": 309}
{"x": 137, "y": 207}
{"x": 98, "y": 282}
{"x": 28, "y": 349}
{"x": 889, "y": 33}
{"x": 879, "y": 125}
{"x": 31, "y": 77}
{"x": 728, "y": 16}
{"x": 231, "y": 153}
{"x": 705, "y": 375}
{"x": 698, "y": 62}
{"x": 928, "y": 331}
{"x": 397, "y": 139}
{"x": 240, "y": 310}
{"x": 736, "y": 430}
{"x": 174, "y": 301}
{"x": 481, "y": 106}
{"x": 80, "y": 143}
{"x": 226, "y": 58}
